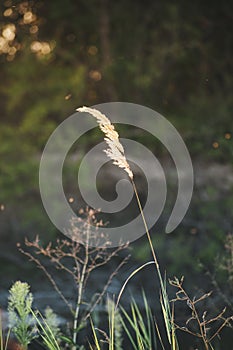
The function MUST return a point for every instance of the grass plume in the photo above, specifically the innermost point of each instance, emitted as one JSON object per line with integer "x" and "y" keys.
{"x": 117, "y": 154}
{"x": 115, "y": 150}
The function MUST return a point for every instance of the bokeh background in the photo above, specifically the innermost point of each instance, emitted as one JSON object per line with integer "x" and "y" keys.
{"x": 174, "y": 57}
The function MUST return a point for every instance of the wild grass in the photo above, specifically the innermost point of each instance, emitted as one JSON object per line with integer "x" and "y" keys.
{"x": 114, "y": 337}
{"x": 47, "y": 332}
{"x": 3, "y": 339}
{"x": 141, "y": 328}
{"x": 116, "y": 153}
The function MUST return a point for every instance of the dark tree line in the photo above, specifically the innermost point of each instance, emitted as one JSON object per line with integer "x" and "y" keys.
{"x": 175, "y": 57}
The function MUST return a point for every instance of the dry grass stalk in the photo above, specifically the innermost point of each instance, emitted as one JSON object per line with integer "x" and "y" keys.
{"x": 115, "y": 151}
{"x": 117, "y": 154}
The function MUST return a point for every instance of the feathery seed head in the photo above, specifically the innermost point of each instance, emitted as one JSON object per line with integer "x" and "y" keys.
{"x": 115, "y": 151}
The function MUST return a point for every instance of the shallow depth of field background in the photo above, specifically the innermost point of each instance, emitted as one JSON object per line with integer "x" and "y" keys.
{"x": 174, "y": 57}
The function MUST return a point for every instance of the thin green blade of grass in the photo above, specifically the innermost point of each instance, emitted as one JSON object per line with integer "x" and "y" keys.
{"x": 2, "y": 347}
{"x": 148, "y": 314}
{"x": 128, "y": 318}
{"x": 111, "y": 319}
{"x": 90, "y": 346}
{"x": 150, "y": 323}
{"x": 159, "y": 334}
{"x": 130, "y": 276}
{"x": 46, "y": 334}
{"x": 142, "y": 327}
{"x": 168, "y": 317}
{"x": 1, "y": 333}
{"x": 137, "y": 331}
{"x": 166, "y": 320}
{"x": 175, "y": 344}
{"x": 95, "y": 336}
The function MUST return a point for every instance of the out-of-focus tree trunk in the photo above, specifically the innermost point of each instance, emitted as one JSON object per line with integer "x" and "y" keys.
{"x": 106, "y": 57}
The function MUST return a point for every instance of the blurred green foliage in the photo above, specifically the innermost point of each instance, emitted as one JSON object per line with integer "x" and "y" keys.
{"x": 57, "y": 55}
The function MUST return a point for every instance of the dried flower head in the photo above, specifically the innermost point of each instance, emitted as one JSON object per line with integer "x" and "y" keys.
{"x": 115, "y": 150}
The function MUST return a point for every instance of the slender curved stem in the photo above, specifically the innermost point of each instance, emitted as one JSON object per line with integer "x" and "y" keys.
{"x": 148, "y": 234}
